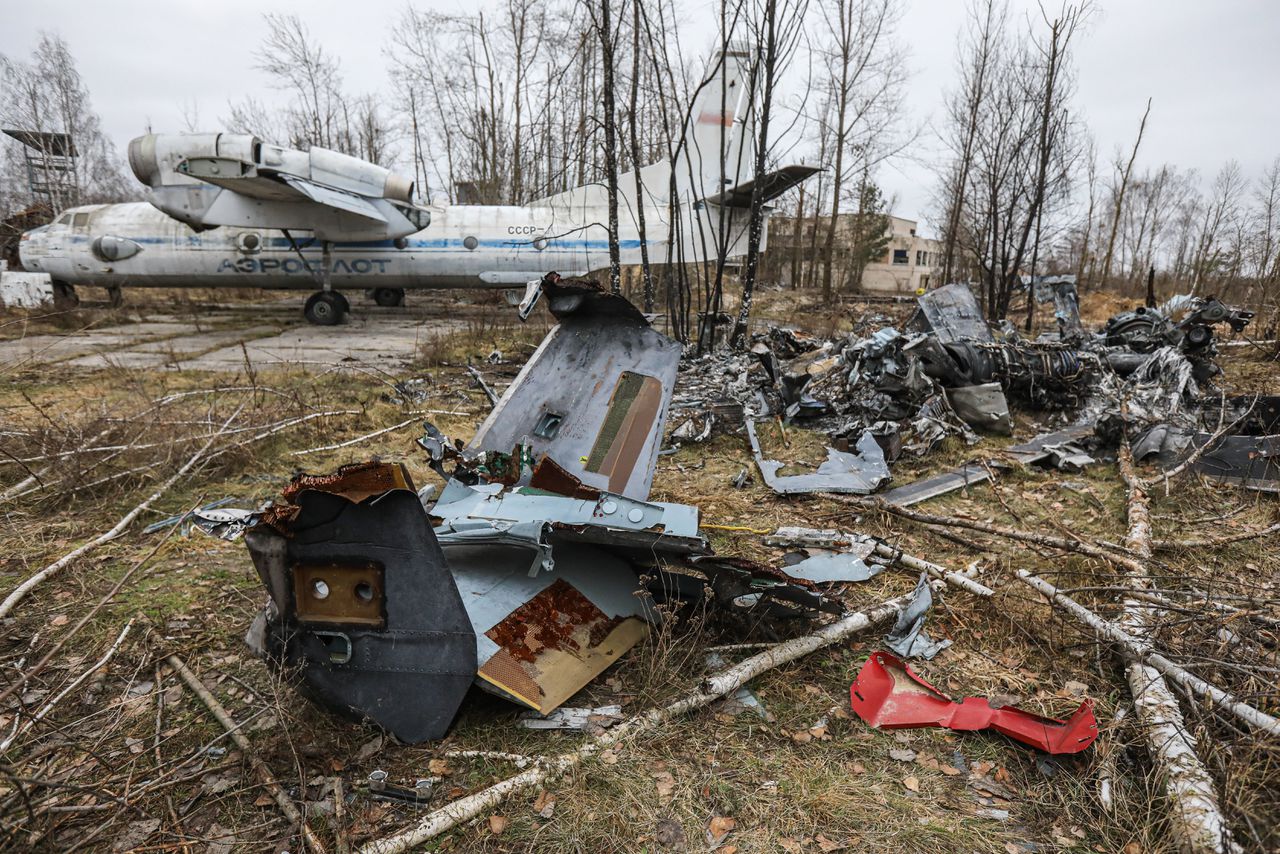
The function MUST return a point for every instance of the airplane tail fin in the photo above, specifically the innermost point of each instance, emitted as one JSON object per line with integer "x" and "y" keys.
{"x": 717, "y": 150}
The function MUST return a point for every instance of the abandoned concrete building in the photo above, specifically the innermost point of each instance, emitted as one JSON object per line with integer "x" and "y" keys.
{"x": 908, "y": 262}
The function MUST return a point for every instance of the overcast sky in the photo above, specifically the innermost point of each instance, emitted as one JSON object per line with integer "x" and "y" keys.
{"x": 1211, "y": 68}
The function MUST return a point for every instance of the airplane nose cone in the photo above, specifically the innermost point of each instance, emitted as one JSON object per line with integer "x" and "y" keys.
{"x": 142, "y": 159}
{"x": 27, "y": 243}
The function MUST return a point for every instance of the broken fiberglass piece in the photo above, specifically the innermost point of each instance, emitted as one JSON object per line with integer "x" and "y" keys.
{"x": 859, "y": 474}
{"x": 888, "y": 694}
{"x": 907, "y": 638}
{"x": 952, "y": 314}
{"x": 594, "y": 395}
{"x": 364, "y": 606}
{"x": 823, "y": 567}
{"x": 982, "y": 406}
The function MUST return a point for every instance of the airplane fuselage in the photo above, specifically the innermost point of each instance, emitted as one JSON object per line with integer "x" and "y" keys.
{"x": 465, "y": 246}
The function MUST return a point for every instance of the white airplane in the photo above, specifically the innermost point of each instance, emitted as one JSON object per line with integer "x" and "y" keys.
{"x": 231, "y": 211}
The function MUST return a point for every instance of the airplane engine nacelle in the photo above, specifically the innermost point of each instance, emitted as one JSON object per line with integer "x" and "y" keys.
{"x": 212, "y": 180}
{"x": 155, "y": 158}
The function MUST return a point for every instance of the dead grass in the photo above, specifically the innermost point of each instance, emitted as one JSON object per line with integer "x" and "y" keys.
{"x": 784, "y": 787}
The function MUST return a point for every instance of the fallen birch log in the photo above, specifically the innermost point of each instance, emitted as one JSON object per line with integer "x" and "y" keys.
{"x": 955, "y": 579}
{"x": 1140, "y": 650}
{"x": 61, "y": 563}
{"x": 357, "y": 440}
{"x": 1196, "y": 822}
{"x": 233, "y": 729}
{"x": 710, "y": 690}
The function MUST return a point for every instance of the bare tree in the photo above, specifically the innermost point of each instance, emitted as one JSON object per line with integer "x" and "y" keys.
{"x": 964, "y": 107}
{"x": 779, "y": 28}
{"x": 47, "y": 95}
{"x": 866, "y": 73}
{"x": 1118, "y": 196}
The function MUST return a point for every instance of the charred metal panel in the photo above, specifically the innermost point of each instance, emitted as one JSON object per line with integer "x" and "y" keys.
{"x": 594, "y": 396}
{"x": 952, "y": 314}
{"x": 406, "y": 669}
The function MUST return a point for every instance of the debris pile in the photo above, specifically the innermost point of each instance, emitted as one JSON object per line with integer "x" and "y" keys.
{"x": 946, "y": 372}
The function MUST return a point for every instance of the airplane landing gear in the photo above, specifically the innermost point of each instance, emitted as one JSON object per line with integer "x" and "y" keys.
{"x": 115, "y": 296}
{"x": 64, "y": 296}
{"x": 325, "y": 308}
{"x": 388, "y": 297}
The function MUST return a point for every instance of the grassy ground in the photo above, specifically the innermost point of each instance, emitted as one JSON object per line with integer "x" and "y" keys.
{"x": 131, "y": 760}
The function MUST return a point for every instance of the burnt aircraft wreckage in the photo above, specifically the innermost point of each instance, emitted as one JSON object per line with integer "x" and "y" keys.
{"x": 543, "y": 561}
{"x": 947, "y": 372}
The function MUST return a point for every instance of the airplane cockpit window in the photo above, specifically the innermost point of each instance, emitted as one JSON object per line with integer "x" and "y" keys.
{"x": 80, "y": 220}
{"x": 65, "y": 219}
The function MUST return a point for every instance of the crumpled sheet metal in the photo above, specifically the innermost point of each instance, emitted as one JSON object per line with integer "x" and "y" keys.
{"x": 364, "y": 606}
{"x": 1249, "y": 458}
{"x": 594, "y": 396}
{"x": 982, "y": 406}
{"x": 857, "y": 474}
{"x": 888, "y": 695}
{"x": 825, "y": 567}
{"x": 907, "y": 638}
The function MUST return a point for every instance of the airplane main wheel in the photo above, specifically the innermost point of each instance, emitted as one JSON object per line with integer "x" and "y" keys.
{"x": 389, "y": 297}
{"x": 342, "y": 301}
{"x": 324, "y": 309}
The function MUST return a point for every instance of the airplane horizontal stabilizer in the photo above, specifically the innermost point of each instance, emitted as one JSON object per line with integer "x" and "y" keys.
{"x": 773, "y": 185}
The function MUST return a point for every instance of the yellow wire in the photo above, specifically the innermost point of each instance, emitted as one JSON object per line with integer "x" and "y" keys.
{"x": 737, "y": 528}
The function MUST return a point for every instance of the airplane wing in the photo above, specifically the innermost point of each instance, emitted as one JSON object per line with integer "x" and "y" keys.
{"x": 773, "y": 184}
{"x": 332, "y": 198}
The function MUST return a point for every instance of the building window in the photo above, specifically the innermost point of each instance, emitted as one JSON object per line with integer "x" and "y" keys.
{"x": 900, "y": 256}
{"x": 924, "y": 283}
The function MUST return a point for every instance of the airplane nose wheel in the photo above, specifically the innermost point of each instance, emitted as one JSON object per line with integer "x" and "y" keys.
{"x": 325, "y": 308}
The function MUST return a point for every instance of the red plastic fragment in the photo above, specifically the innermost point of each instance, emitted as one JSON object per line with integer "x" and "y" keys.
{"x": 887, "y": 694}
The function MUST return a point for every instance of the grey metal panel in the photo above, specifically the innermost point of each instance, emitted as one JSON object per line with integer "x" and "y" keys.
{"x": 573, "y": 374}
{"x": 614, "y": 519}
{"x": 974, "y": 473}
{"x": 858, "y": 474}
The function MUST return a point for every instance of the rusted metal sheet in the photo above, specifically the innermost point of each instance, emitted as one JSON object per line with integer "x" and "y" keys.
{"x": 594, "y": 395}
{"x": 543, "y": 635}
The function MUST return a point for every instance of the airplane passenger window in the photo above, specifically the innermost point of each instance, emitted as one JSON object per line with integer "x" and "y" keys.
{"x": 470, "y": 242}
{"x": 540, "y": 244}
{"x": 80, "y": 220}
